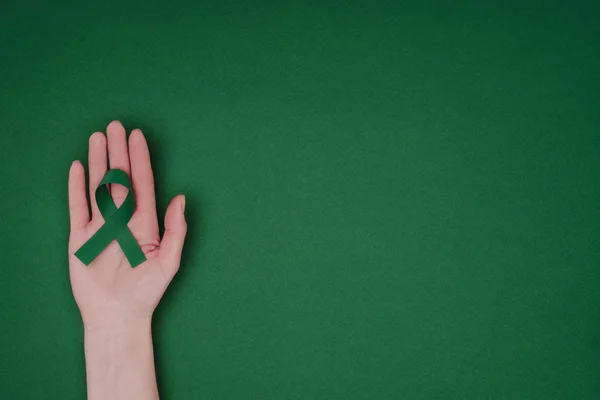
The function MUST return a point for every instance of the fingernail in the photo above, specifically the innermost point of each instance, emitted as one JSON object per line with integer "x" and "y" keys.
{"x": 183, "y": 203}
{"x": 96, "y": 137}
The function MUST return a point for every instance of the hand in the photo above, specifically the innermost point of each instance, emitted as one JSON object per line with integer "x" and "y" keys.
{"x": 108, "y": 292}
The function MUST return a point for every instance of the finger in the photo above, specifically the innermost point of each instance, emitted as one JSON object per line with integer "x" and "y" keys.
{"x": 175, "y": 231}
{"x": 78, "y": 207}
{"x": 97, "y": 166}
{"x": 118, "y": 157}
{"x": 143, "y": 180}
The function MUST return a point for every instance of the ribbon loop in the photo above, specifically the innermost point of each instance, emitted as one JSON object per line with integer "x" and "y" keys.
{"x": 115, "y": 222}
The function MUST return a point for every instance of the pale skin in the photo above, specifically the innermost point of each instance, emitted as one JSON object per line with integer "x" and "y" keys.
{"x": 116, "y": 301}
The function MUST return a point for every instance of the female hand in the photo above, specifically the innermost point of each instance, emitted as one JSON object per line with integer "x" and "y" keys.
{"x": 109, "y": 291}
{"x": 116, "y": 301}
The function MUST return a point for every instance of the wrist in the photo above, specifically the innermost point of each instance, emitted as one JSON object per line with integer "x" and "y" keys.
{"x": 119, "y": 359}
{"x": 106, "y": 323}
{"x": 118, "y": 339}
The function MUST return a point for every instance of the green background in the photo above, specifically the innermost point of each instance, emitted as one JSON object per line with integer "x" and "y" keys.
{"x": 385, "y": 199}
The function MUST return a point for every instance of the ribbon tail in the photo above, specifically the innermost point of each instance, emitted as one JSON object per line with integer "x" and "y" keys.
{"x": 130, "y": 247}
{"x": 95, "y": 245}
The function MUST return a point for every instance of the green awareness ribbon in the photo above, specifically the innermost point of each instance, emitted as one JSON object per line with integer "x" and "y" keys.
{"x": 115, "y": 225}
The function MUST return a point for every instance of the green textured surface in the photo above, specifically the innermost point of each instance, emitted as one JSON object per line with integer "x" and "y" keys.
{"x": 385, "y": 200}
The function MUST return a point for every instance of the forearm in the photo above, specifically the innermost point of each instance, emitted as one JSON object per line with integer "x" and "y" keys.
{"x": 120, "y": 362}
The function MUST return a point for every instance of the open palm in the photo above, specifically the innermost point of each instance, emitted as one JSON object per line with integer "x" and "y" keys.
{"x": 109, "y": 291}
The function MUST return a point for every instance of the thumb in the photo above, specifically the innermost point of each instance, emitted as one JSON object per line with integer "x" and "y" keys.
{"x": 175, "y": 230}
